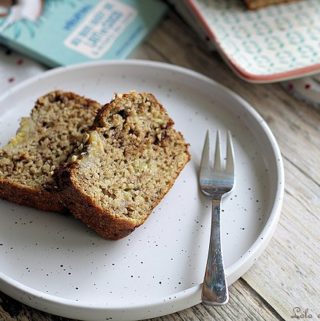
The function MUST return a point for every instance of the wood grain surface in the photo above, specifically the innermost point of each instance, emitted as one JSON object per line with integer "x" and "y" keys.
{"x": 284, "y": 283}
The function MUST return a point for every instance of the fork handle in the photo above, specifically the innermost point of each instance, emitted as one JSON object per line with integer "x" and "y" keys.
{"x": 214, "y": 288}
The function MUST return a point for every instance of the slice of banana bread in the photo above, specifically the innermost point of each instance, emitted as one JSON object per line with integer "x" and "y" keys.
{"x": 44, "y": 141}
{"x": 128, "y": 163}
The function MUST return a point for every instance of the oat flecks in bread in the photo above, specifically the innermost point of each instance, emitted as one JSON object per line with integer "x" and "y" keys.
{"x": 43, "y": 142}
{"x": 129, "y": 162}
{"x": 256, "y": 4}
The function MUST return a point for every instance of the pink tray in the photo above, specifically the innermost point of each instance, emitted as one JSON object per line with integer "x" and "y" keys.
{"x": 276, "y": 43}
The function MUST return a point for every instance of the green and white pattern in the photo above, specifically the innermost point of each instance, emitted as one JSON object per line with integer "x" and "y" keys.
{"x": 276, "y": 39}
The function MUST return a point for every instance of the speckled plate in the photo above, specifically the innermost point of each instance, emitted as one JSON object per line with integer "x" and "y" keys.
{"x": 54, "y": 263}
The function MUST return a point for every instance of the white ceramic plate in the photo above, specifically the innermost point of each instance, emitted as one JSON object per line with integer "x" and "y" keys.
{"x": 54, "y": 263}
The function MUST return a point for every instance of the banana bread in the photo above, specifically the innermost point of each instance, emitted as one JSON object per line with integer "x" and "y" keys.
{"x": 43, "y": 141}
{"x": 128, "y": 163}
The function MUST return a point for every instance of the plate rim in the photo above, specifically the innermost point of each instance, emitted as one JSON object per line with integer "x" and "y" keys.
{"x": 242, "y": 265}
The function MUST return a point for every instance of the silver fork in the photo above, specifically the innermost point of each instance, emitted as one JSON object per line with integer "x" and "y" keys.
{"x": 215, "y": 181}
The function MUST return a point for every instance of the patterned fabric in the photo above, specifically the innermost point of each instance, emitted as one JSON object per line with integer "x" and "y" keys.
{"x": 15, "y": 68}
{"x": 306, "y": 89}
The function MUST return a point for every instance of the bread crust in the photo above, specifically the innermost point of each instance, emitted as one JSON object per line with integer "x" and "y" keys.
{"x": 32, "y": 197}
{"x": 85, "y": 209}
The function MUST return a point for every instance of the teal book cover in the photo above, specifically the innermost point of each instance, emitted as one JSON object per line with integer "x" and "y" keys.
{"x": 65, "y": 32}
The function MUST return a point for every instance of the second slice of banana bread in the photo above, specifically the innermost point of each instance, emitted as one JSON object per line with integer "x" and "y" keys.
{"x": 128, "y": 163}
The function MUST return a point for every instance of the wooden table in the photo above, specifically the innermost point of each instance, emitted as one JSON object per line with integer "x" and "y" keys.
{"x": 285, "y": 282}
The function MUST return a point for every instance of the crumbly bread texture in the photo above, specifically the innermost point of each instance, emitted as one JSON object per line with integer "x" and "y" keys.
{"x": 43, "y": 142}
{"x": 128, "y": 163}
{"x": 256, "y": 4}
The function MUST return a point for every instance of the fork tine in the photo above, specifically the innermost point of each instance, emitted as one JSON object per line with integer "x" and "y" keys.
{"x": 230, "y": 155}
{"x": 205, "y": 158}
{"x": 217, "y": 154}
